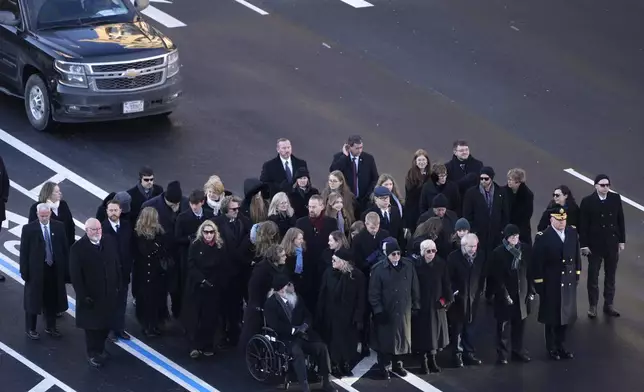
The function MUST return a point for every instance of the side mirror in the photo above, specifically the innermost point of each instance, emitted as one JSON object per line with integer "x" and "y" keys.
{"x": 141, "y": 4}
{"x": 9, "y": 19}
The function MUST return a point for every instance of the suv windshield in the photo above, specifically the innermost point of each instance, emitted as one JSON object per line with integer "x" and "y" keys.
{"x": 63, "y": 13}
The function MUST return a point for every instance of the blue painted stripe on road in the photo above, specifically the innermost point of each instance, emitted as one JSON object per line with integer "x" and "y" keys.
{"x": 134, "y": 345}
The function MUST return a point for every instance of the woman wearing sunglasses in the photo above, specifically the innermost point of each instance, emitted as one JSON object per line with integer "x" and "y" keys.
{"x": 429, "y": 329}
{"x": 561, "y": 196}
{"x": 205, "y": 282}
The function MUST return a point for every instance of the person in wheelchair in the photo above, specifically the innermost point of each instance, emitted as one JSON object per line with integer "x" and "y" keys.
{"x": 287, "y": 315}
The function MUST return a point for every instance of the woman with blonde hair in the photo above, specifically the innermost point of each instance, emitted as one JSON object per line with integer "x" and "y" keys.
{"x": 215, "y": 193}
{"x": 149, "y": 275}
{"x": 340, "y": 312}
{"x": 337, "y": 183}
{"x": 254, "y": 205}
{"x": 417, "y": 176}
{"x": 205, "y": 282}
{"x": 281, "y": 212}
{"x": 51, "y": 195}
{"x": 335, "y": 208}
{"x": 293, "y": 244}
{"x": 337, "y": 240}
{"x": 267, "y": 234}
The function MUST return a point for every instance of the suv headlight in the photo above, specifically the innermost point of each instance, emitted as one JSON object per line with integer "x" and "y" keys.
{"x": 71, "y": 74}
{"x": 173, "y": 63}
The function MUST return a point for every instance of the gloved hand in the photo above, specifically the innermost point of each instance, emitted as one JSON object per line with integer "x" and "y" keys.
{"x": 89, "y": 301}
{"x": 301, "y": 328}
{"x": 381, "y": 318}
{"x": 508, "y": 300}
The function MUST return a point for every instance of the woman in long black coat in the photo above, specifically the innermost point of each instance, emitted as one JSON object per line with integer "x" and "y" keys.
{"x": 510, "y": 263}
{"x": 205, "y": 281}
{"x": 340, "y": 311}
{"x": 429, "y": 330}
{"x": 149, "y": 278}
{"x": 416, "y": 177}
{"x": 258, "y": 287}
{"x": 51, "y": 195}
{"x": 561, "y": 196}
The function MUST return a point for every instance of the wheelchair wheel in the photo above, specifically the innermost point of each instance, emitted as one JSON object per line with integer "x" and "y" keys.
{"x": 260, "y": 358}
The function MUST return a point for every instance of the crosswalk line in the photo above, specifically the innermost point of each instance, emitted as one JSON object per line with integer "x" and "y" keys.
{"x": 357, "y": 3}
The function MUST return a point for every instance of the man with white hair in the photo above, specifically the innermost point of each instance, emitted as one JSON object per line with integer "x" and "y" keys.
{"x": 286, "y": 314}
{"x": 44, "y": 252}
{"x": 96, "y": 275}
{"x": 466, "y": 267}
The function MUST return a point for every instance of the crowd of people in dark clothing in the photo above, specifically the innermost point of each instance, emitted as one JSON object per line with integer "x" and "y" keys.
{"x": 335, "y": 271}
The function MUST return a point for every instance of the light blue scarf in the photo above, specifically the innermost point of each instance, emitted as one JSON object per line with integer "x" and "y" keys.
{"x": 299, "y": 261}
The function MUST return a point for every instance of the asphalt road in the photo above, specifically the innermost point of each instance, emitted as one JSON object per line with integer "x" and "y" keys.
{"x": 541, "y": 85}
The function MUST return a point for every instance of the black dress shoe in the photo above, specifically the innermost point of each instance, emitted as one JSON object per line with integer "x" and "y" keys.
{"x": 458, "y": 360}
{"x": 335, "y": 371}
{"x": 399, "y": 370}
{"x": 53, "y": 332}
{"x": 433, "y": 366}
{"x": 565, "y": 354}
{"x": 33, "y": 335}
{"x": 610, "y": 311}
{"x": 345, "y": 369}
{"x": 554, "y": 355}
{"x": 95, "y": 362}
{"x": 501, "y": 361}
{"x": 592, "y": 312}
{"x": 521, "y": 357}
{"x": 385, "y": 374}
{"x": 471, "y": 360}
{"x": 123, "y": 335}
{"x": 104, "y": 356}
{"x": 2, "y": 278}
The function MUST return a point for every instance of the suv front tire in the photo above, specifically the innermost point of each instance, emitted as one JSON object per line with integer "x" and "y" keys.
{"x": 37, "y": 103}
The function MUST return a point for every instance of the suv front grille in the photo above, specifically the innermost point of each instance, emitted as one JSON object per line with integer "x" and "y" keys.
{"x": 121, "y": 83}
{"x": 120, "y": 67}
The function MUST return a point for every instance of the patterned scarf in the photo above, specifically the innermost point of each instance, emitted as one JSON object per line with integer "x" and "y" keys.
{"x": 515, "y": 251}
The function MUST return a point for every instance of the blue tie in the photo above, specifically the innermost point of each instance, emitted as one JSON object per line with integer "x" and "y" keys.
{"x": 289, "y": 174}
{"x": 49, "y": 256}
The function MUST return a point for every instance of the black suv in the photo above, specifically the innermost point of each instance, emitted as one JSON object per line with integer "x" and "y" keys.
{"x": 86, "y": 60}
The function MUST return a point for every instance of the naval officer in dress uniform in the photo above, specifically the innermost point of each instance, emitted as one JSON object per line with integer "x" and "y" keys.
{"x": 557, "y": 267}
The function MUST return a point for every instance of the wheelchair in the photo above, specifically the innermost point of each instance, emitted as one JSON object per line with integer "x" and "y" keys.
{"x": 268, "y": 359}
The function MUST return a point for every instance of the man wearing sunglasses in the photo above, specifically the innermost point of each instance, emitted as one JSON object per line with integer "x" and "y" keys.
{"x": 602, "y": 236}
{"x": 394, "y": 294}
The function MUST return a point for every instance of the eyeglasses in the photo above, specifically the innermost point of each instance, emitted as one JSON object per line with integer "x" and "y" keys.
{"x": 209, "y": 232}
{"x": 557, "y": 194}
{"x": 485, "y": 178}
{"x": 396, "y": 253}
{"x": 430, "y": 251}
{"x": 234, "y": 209}
{"x": 604, "y": 185}
{"x": 147, "y": 179}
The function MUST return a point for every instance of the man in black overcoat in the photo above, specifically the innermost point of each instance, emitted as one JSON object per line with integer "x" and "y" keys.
{"x": 463, "y": 168}
{"x": 4, "y": 197}
{"x": 557, "y": 267}
{"x": 234, "y": 228}
{"x": 287, "y": 315}
{"x": 316, "y": 227}
{"x": 465, "y": 270}
{"x": 486, "y": 207}
{"x": 602, "y": 236}
{"x": 143, "y": 191}
{"x": 279, "y": 172}
{"x": 96, "y": 276}
{"x": 390, "y": 218}
{"x": 44, "y": 258}
{"x": 520, "y": 201}
{"x": 121, "y": 231}
{"x": 510, "y": 263}
{"x": 359, "y": 170}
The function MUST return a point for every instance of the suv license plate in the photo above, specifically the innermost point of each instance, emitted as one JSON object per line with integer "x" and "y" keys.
{"x": 132, "y": 107}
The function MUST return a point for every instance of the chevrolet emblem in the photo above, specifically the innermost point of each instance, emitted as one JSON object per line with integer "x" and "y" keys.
{"x": 131, "y": 73}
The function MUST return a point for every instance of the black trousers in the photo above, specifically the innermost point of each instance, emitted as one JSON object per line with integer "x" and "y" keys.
{"x": 95, "y": 341}
{"x": 49, "y": 300}
{"x": 118, "y": 321}
{"x": 232, "y": 311}
{"x": 610, "y": 260}
{"x": 509, "y": 332}
{"x": 31, "y": 320}
{"x": 555, "y": 336}
{"x": 318, "y": 350}
{"x": 387, "y": 360}
{"x": 462, "y": 337}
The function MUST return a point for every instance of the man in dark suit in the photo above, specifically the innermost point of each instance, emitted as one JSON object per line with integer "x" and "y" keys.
{"x": 602, "y": 235}
{"x": 463, "y": 168}
{"x": 486, "y": 208}
{"x": 278, "y": 173}
{"x": 556, "y": 281}
{"x": 316, "y": 227}
{"x": 44, "y": 252}
{"x": 287, "y": 315}
{"x": 143, "y": 191}
{"x": 390, "y": 218}
{"x": 4, "y": 197}
{"x": 121, "y": 232}
{"x": 234, "y": 228}
{"x": 359, "y": 170}
{"x": 96, "y": 275}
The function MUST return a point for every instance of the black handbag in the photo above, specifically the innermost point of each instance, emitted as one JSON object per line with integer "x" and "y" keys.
{"x": 165, "y": 260}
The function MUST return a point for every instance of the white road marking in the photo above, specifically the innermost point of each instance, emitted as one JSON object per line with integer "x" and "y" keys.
{"x": 357, "y": 3}
{"x": 361, "y": 368}
{"x": 252, "y": 7}
{"x": 347, "y": 387}
{"x": 587, "y": 180}
{"x": 56, "y": 178}
{"x": 514, "y": 28}
{"x": 418, "y": 382}
{"x": 161, "y": 1}
{"x": 163, "y": 18}
{"x": 36, "y": 369}
{"x": 43, "y": 386}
